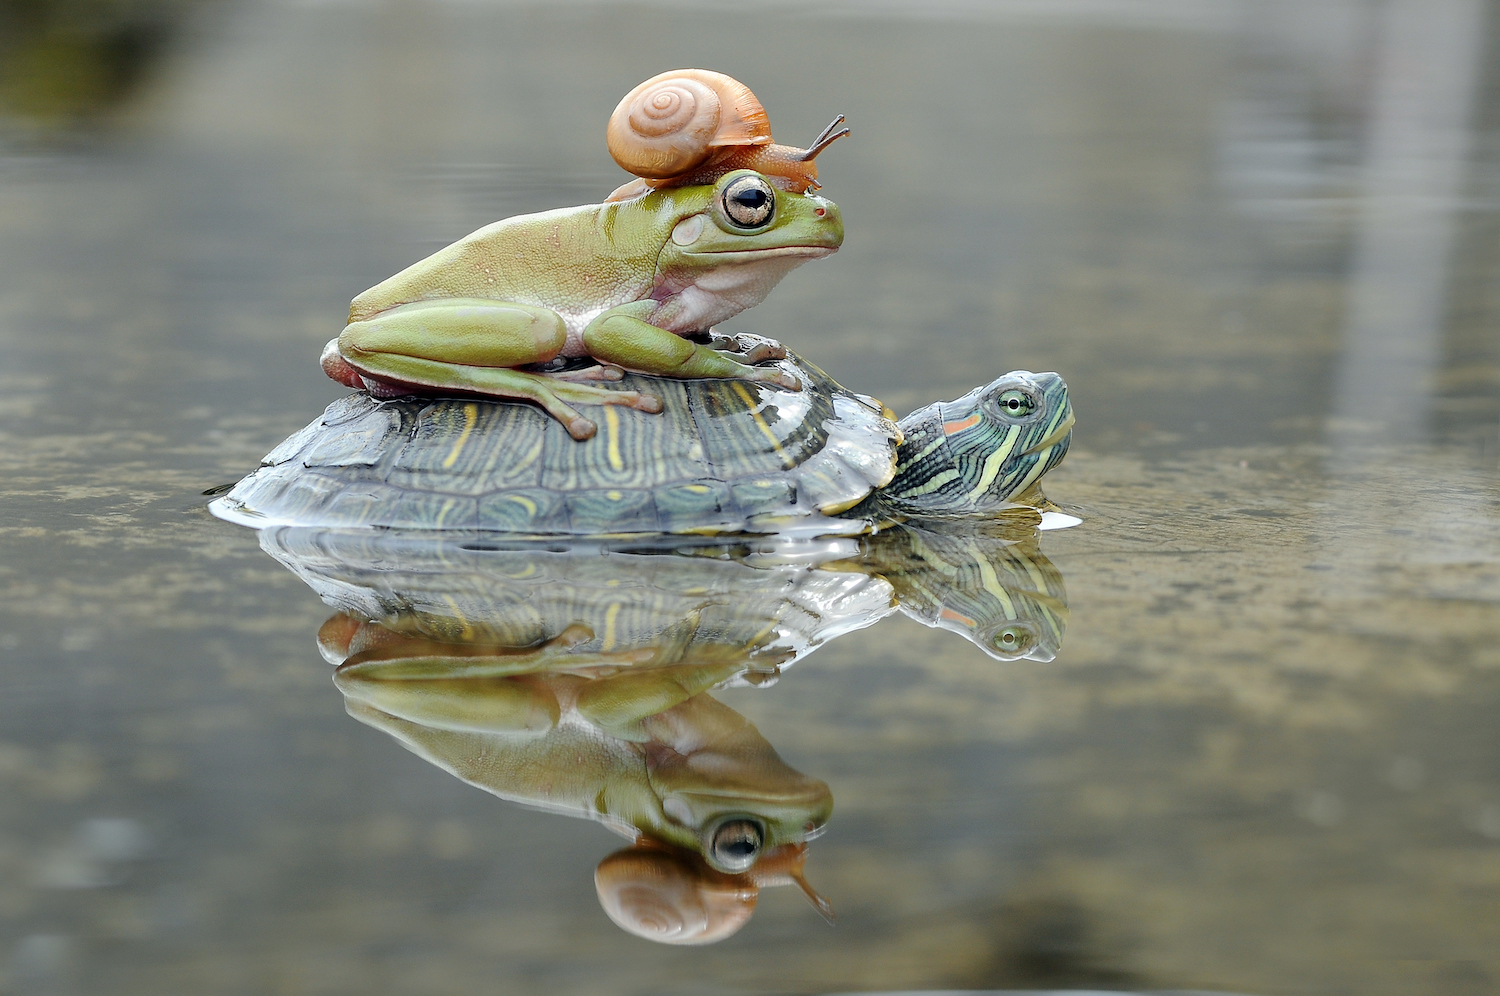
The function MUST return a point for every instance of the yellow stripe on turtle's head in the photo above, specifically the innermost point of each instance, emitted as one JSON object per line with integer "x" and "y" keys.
{"x": 978, "y": 452}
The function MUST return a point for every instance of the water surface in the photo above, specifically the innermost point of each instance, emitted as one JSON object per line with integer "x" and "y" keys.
{"x": 1259, "y": 240}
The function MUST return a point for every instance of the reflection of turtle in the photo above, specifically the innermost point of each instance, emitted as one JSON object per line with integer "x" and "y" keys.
{"x": 768, "y": 603}
{"x": 726, "y": 456}
{"x": 575, "y": 679}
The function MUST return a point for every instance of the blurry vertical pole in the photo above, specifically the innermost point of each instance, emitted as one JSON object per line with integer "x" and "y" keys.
{"x": 1427, "y": 68}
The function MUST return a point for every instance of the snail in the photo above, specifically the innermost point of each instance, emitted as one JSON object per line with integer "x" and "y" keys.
{"x": 692, "y": 126}
{"x": 672, "y": 896}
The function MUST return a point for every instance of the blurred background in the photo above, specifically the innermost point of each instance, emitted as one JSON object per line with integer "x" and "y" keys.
{"x": 1260, "y": 239}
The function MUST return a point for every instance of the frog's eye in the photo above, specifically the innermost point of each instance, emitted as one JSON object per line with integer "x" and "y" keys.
{"x": 748, "y": 202}
{"x": 1016, "y": 403}
{"x": 734, "y": 844}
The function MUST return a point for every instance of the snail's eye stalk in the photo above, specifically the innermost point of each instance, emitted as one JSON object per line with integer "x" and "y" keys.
{"x": 826, "y": 138}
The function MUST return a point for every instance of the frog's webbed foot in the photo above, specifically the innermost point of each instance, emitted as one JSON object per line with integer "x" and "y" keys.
{"x": 747, "y": 347}
{"x": 623, "y": 339}
{"x": 555, "y": 394}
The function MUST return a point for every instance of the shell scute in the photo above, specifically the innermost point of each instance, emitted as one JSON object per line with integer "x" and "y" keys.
{"x": 693, "y": 502}
{"x": 469, "y": 448}
{"x": 361, "y": 503}
{"x": 414, "y": 510}
{"x": 526, "y": 510}
{"x": 767, "y": 494}
{"x": 754, "y": 428}
{"x": 611, "y": 511}
{"x": 632, "y": 449}
{"x": 359, "y": 442}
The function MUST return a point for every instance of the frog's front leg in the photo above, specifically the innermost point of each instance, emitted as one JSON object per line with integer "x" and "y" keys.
{"x": 623, "y": 336}
{"x": 472, "y": 345}
{"x": 748, "y": 346}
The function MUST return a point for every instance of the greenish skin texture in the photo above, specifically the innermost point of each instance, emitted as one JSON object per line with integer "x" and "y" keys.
{"x": 620, "y": 282}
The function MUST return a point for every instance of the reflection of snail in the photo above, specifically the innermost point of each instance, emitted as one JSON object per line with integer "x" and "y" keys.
{"x": 673, "y": 896}
{"x": 692, "y": 126}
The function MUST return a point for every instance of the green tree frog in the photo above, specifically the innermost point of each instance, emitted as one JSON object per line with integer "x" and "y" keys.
{"x": 624, "y": 283}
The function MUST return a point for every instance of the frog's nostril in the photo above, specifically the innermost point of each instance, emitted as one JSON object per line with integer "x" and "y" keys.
{"x": 820, "y": 212}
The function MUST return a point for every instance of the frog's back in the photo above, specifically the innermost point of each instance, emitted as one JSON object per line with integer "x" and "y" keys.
{"x": 519, "y": 259}
{"x": 724, "y": 456}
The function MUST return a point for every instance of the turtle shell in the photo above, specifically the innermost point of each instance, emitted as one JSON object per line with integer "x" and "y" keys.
{"x": 724, "y": 456}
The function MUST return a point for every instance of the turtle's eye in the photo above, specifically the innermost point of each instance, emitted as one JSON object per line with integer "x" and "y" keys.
{"x": 748, "y": 202}
{"x": 1017, "y": 403}
{"x": 735, "y": 844}
{"x": 1011, "y": 640}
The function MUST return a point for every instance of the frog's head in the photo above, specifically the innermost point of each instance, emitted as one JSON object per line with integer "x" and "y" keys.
{"x": 984, "y": 451}
{"x": 742, "y": 218}
{"x": 732, "y": 799}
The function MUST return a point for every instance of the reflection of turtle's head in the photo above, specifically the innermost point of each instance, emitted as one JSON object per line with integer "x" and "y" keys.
{"x": 991, "y": 586}
{"x": 671, "y": 895}
{"x": 984, "y": 450}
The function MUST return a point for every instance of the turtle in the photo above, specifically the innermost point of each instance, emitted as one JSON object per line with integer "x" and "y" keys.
{"x": 724, "y": 457}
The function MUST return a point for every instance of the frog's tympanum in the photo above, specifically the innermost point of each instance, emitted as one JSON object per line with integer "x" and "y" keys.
{"x": 578, "y": 680}
{"x": 630, "y": 283}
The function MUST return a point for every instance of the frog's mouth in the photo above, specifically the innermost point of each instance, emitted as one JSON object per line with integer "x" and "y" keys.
{"x": 812, "y": 252}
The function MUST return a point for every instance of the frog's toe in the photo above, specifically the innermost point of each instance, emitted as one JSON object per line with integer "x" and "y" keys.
{"x": 575, "y": 634}
{"x": 758, "y": 349}
{"x": 779, "y": 377}
{"x": 601, "y": 371}
{"x": 580, "y": 428}
{"x": 647, "y": 403}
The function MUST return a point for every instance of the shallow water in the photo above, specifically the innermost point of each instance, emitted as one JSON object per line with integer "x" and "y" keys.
{"x": 1259, "y": 240}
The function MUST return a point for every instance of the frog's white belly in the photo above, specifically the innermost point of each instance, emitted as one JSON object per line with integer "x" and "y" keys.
{"x": 711, "y": 297}
{"x": 576, "y": 322}
{"x": 726, "y": 290}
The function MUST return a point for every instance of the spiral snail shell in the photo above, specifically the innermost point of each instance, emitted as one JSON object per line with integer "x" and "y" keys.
{"x": 675, "y": 121}
{"x": 668, "y": 897}
{"x": 692, "y": 126}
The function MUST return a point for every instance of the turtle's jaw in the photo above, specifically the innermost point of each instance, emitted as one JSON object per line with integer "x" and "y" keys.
{"x": 1062, "y": 435}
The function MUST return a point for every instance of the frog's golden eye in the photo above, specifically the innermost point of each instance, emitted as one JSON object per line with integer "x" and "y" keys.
{"x": 748, "y": 202}
{"x": 734, "y": 844}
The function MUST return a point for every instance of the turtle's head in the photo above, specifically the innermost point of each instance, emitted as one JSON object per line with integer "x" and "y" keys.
{"x": 983, "y": 451}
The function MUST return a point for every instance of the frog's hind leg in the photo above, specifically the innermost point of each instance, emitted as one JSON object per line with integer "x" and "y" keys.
{"x": 471, "y": 345}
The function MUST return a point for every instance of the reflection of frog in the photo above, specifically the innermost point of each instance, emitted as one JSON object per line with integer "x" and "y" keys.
{"x": 620, "y": 738}
{"x": 575, "y": 679}
{"x": 621, "y": 282}
{"x": 659, "y": 757}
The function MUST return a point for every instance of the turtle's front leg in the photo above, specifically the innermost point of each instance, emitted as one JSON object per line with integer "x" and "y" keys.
{"x": 472, "y": 345}
{"x": 623, "y": 336}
